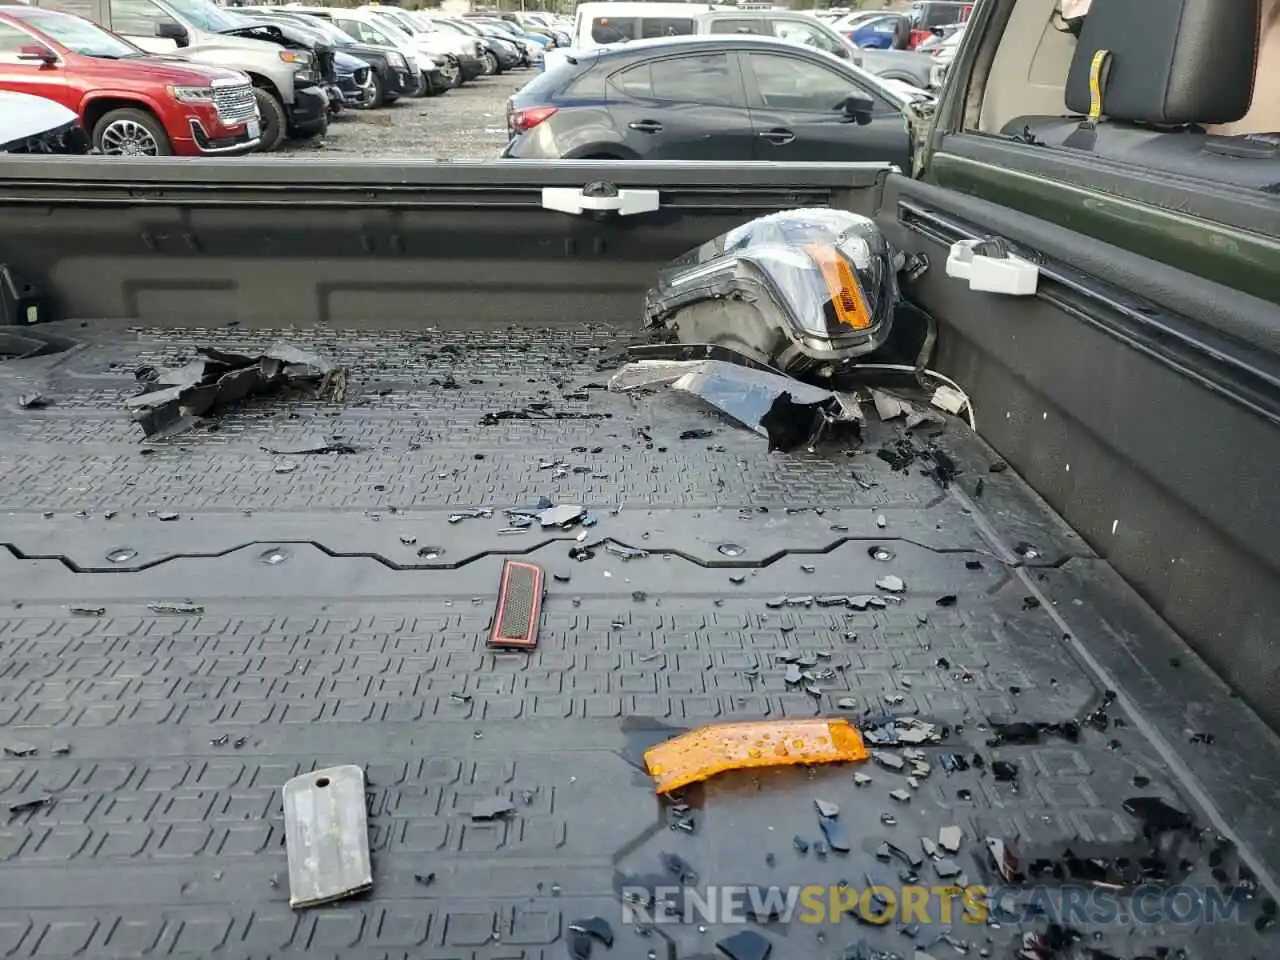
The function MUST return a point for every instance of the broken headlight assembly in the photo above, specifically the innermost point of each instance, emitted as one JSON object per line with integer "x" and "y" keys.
{"x": 802, "y": 291}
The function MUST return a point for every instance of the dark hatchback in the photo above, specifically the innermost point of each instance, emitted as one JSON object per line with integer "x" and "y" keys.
{"x": 708, "y": 98}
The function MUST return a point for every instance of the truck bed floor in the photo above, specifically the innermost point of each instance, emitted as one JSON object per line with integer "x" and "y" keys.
{"x": 329, "y": 613}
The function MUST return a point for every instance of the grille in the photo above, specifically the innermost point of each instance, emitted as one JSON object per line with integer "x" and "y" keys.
{"x": 235, "y": 104}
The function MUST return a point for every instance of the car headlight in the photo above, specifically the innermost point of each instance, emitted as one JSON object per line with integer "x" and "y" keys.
{"x": 395, "y": 61}
{"x": 297, "y": 57}
{"x": 192, "y": 94}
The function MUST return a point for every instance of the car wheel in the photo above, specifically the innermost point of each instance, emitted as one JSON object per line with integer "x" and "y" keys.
{"x": 275, "y": 123}
{"x": 490, "y": 64}
{"x": 451, "y": 72}
{"x": 131, "y": 133}
{"x": 379, "y": 97}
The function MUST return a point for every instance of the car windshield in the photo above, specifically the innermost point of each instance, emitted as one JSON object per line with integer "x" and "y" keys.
{"x": 79, "y": 35}
{"x": 205, "y": 15}
{"x": 403, "y": 21}
{"x": 318, "y": 25}
{"x": 393, "y": 31}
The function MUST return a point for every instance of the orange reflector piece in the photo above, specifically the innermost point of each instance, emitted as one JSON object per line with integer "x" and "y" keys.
{"x": 842, "y": 283}
{"x": 702, "y": 753}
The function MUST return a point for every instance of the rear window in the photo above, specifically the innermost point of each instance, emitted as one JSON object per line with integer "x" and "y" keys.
{"x": 738, "y": 25}
{"x": 940, "y": 14}
{"x": 622, "y": 29}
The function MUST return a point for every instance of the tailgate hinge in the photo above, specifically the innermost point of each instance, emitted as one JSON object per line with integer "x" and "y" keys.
{"x": 599, "y": 196}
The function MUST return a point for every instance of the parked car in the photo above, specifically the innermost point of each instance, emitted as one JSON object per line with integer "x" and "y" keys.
{"x": 129, "y": 103}
{"x": 31, "y": 124}
{"x": 877, "y": 33}
{"x": 703, "y": 98}
{"x": 639, "y": 19}
{"x": 464, "y": 56}
{"x": 329, "y": 77}
{"x": 436, "y": 74}
{"x": 508, "y": 52}
{"x": 927, "y": 14}
{"x": 391, "y": 75}
{"x": 286, "y": 80}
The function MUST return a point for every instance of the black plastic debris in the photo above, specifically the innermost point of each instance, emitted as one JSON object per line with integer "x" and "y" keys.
{"x": 891, "y": 583}
{"x": 679, "y": 867}
{"x": 490, "y": 808}
{"x": 563, "y": 516}
{"x": 33, "y": 801}
{"x": 697, "y": 434}
{"x": 787, "y": 412}
{"x": 176, "y": 609}
{"x": 32, "y": 401}
{"x": 1004, "y": 771}
{"x": 595, "y": 927}
{"x": 580, "y": 947}
{"x": 311, "y": 445}
{"x": 800, "y": 843}
{"x": 1157, "y": 816}
{"x": 827, "y": 809}
{"x": 426, "y": 879}
{"x": 745, "y": 945}
{"x": 1004, "y": 860}
{"x": 834, "y": 834}
{"x": 20, "y": 750}
{"x": 177, "y": 399}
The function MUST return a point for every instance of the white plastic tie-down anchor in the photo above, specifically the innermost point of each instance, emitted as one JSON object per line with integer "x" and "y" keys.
{"x": 989, "y": 267}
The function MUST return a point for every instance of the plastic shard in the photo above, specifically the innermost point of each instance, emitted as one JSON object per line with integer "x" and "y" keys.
{"x": 706, "y": 751}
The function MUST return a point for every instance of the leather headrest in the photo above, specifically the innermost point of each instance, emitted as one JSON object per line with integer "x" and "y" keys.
{"x": 1172, "y": 61}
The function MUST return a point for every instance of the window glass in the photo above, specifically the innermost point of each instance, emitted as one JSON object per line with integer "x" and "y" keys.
{"x": 81, "y": 8}
{"x": 737, "y": 26}
{"x": 787, "y": 83}
{"x": 136, "y": 17}
{"x": 79, "y": 35}
{"x": 699, "y": 79}
{"x": 804, "y": 34}
{"x": 12, "y": 39}
{"x": 612, "y": 30}
{"x": 665, "y": 27}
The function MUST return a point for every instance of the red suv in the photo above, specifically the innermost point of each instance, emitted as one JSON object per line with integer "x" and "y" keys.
{"x": 129, "y": 102}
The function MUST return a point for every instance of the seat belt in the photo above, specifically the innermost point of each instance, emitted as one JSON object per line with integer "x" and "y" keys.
{"x": 1085, "y": 136}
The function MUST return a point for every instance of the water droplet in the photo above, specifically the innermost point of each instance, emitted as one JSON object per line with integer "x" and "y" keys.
{"x": 431, "y": 553}
{"x": 731, "y": 549}
{"x": 122, "y": 554}
{"x": 273, "y": 555}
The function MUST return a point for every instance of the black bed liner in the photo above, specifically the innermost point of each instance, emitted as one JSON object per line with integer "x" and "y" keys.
{"x": 165, "y": 834}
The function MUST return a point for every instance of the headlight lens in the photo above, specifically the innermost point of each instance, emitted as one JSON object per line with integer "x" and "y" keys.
{"x": 192, "y": 94}
{"x": 299, "y": 57}
{"x": 395, "y": 61}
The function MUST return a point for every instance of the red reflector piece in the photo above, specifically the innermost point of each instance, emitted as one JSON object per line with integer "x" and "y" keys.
{"x": 515, "y": 622}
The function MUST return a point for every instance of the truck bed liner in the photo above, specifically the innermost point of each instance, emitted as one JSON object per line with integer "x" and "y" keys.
{"x": 336, "y": 616}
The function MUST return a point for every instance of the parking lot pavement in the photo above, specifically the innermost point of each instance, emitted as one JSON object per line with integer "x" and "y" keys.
{"x": 467, "y": 123}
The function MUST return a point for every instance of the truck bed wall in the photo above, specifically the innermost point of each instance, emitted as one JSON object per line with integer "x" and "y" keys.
{"x": 1170, "y": 476}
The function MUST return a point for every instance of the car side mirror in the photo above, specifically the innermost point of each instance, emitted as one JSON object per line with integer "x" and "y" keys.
{"x": 169, "y": 30}
{"x": 858, "y": 107}
{"x": 37, "y": 52}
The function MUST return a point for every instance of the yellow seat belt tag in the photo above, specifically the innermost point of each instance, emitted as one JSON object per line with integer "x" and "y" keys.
{"x": 1098, "y": 72}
